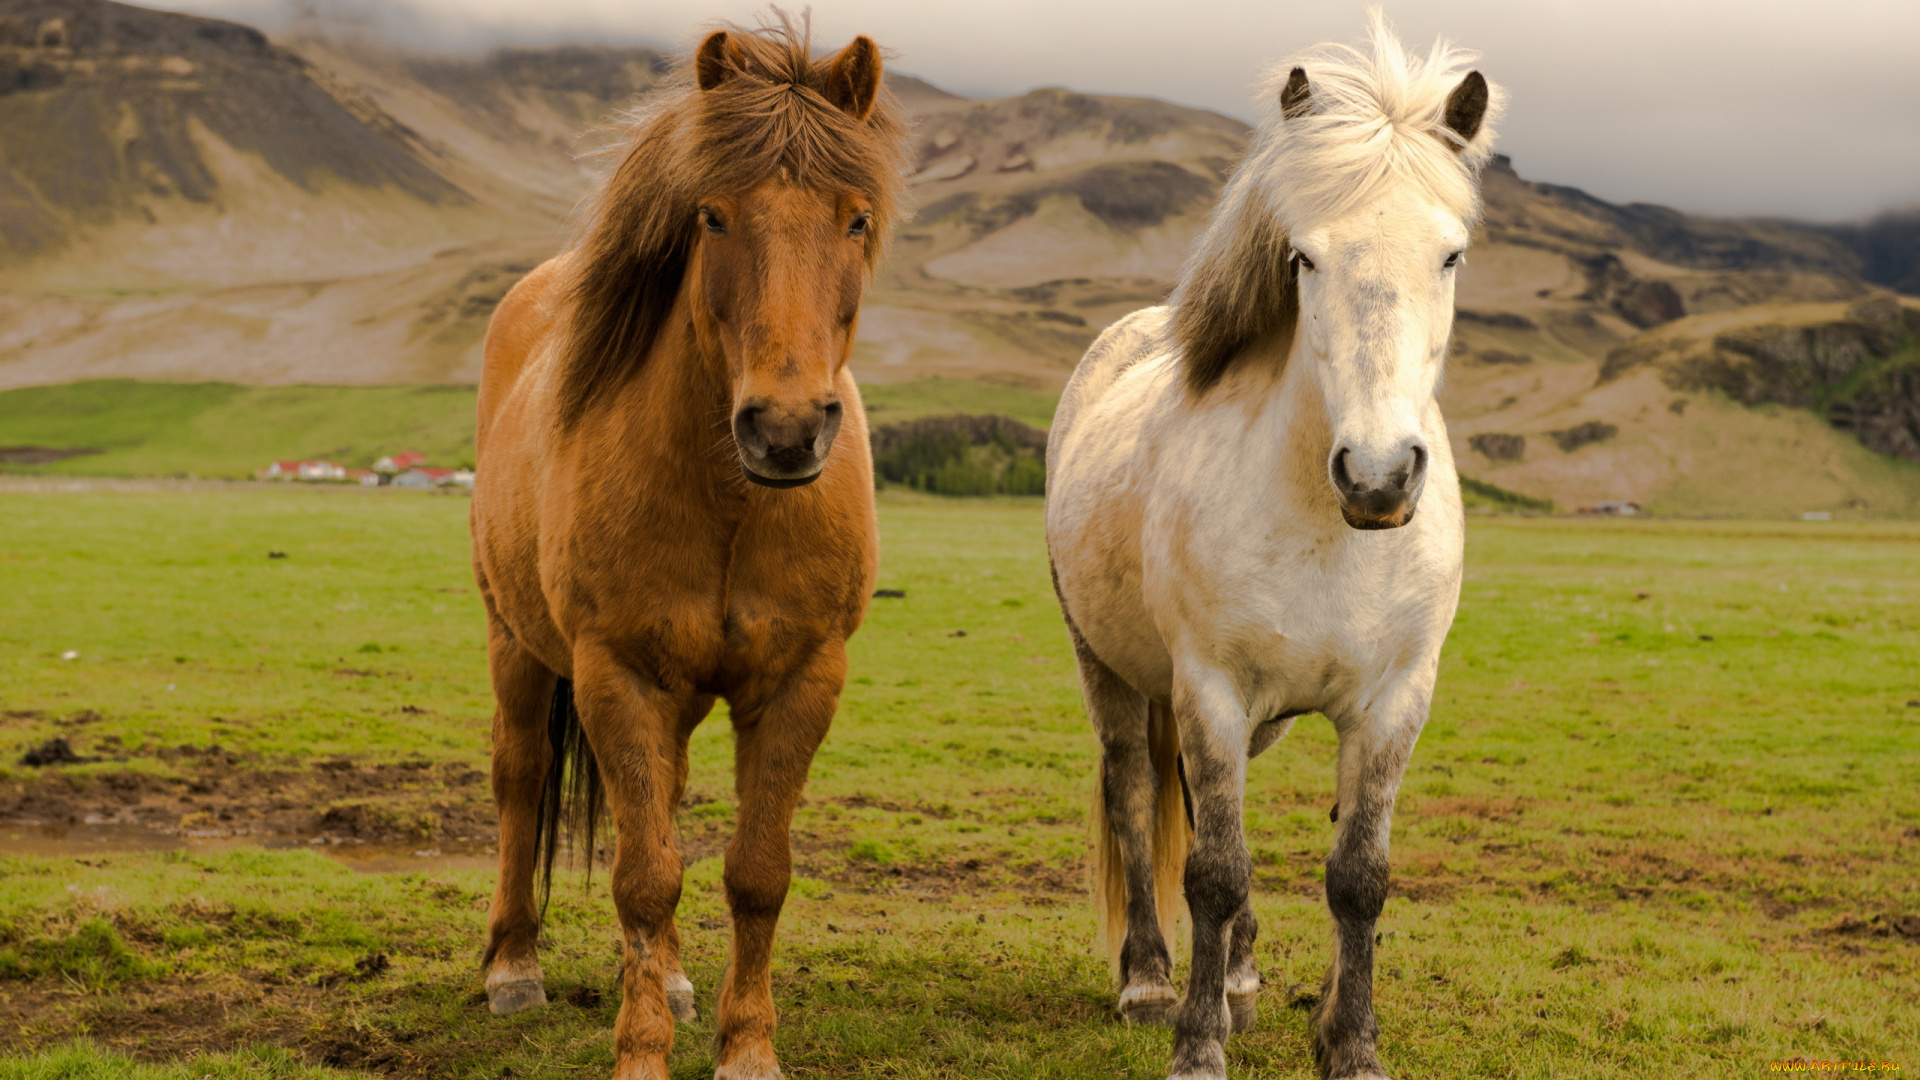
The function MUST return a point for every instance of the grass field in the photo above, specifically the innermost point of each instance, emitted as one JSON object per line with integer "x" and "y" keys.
{"x": 226, "y": 430}
{"x": 1662, "y": 823}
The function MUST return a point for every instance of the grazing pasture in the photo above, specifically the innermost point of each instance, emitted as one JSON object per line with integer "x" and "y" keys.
{"x": 1662, "y": 822}
{"x": 129, "y": 428}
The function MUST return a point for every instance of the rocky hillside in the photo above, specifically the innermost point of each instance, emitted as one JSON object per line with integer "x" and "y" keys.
{"x": 155, "y": 149}
{"x": 1858, "y": 365}
{"x": 184, "y": 199}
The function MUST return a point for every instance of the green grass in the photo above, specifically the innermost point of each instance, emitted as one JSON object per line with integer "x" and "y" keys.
{"x": 85, "y": 1061}
{"x": 224, "y": 430}
{"x": 1622, "y": 849}
{"x": 890, "y": 403}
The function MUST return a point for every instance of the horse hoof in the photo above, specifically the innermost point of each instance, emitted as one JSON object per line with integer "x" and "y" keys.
{"x": 752, "y": 1067}
{"x": 1150, "y": 1005}
{"x": 680, "y": 999}
{"x": 513, "y": 997}
{"x": 1244, "y": 1009}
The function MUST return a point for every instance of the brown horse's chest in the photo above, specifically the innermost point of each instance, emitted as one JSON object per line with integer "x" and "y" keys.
{"x": 723, "y": 607}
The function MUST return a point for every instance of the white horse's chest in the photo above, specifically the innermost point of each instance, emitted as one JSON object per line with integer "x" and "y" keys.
{"x": 1204, "y": 541}
{"x": 1300, "y": 610}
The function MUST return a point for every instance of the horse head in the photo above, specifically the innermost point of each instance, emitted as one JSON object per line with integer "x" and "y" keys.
{"x": 1376, "y": 283}
{"x": 1338, "y": 238}
{"x": 734, "y": 238}
{"x": 778, "y": 269}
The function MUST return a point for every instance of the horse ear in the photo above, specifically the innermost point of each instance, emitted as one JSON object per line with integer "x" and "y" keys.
{"x": 1467, "y": 106}
{"x": 853, "y": 79}
{"x": 713, "y": 63}
{"x": 1296, "y": 96}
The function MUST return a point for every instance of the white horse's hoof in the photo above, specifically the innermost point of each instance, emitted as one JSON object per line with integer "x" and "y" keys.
{"x": 1148, "y": 1004}
{"x": 680, "y": 998}
{"x": 1243, "y": 998}
{"x": 1243, "y": 1010}
{"x": 517, "y": 996}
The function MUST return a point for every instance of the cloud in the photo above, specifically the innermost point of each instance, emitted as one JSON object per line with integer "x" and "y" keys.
{"x": 1765, "y": 106}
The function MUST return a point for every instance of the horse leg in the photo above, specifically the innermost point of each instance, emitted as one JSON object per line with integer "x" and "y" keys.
{"x": 523, "y": 692}
{"x": 679, "y": 987}
{"x": 774, "y": 743}
{"x": 631, "y": 721}
{"x": 1129, "y": 802}
{"x": 1373, "y": 757}
{"x": 1243, "y": 975}
{"x": 1219, "y": 872}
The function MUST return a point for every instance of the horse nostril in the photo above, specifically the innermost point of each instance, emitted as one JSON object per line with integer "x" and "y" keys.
{"x": 1342, "y": 479}
{"x": 830, "y": 417}
{"x": 1406, "y": 475}
{"x": 746, "y": 429}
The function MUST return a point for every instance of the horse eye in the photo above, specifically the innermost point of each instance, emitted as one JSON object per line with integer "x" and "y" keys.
{"x": 859, "y": 227}
{"x": 713, "y": 223}
{"x": 1300, "y": 257}
{"x": 1453, "y": 260}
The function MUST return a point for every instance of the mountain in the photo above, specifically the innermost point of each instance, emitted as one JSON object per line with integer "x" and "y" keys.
{"x": 185, "y": 199}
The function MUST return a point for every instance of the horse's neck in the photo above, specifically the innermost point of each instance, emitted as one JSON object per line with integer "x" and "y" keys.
{"x": 677, "y": 409}
{"x": 1278, "y": 398}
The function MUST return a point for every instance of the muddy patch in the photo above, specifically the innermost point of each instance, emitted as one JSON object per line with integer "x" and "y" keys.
{"x": 1033, "y": 881}
{"x": 42, "y": 455}
{"x": 210, "y": 794}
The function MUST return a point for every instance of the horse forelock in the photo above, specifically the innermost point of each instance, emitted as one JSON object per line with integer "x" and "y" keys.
{"x": 1375, "y": 122}
{"x": 773, "y": 119}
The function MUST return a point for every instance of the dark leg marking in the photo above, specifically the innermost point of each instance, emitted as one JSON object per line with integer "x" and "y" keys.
{"x": 1130, "y": 796}
{"x": 1346, "y": 1034}
{"x": 1218, "y": 877}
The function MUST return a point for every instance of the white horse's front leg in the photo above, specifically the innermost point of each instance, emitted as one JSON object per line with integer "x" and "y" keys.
{"x": 1374, "y": 747}
{"x": 1213, "y": 745}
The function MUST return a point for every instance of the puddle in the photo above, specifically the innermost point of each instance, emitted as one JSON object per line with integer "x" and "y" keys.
{"x": 84, "y": 841}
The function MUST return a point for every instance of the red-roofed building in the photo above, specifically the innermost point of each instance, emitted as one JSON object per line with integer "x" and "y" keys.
{"x": 399, "y": 463}
{"x": 303, "y": 470}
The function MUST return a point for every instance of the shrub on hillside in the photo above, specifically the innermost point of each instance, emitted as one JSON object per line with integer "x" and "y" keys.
{"x": 962, "y": 455}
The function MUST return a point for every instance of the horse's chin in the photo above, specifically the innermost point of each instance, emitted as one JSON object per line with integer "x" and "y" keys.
{"x": 776, "y": 481}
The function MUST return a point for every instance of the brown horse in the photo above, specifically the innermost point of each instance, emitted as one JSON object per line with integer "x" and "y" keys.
{"x": 658, "y": 521}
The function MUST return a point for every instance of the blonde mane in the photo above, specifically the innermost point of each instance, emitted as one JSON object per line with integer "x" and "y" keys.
{"x": 1376, "y": 119}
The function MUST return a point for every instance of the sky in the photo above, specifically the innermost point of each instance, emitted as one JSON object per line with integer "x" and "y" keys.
{"x": 1775, "y": 107}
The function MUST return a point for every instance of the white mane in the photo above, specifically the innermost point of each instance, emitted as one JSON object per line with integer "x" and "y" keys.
{"x": 1375, "y": 119}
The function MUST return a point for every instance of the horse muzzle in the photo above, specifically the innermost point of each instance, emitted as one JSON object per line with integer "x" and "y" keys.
{"x": 1380, "y": 498}
{"x": 785, "y": 448}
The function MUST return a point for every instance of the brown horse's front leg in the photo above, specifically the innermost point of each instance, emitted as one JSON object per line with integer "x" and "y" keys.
{"x": 773, "y": 748}
{"x": 680, "y": 997}
{"x": 523, "y": 692}
{"x": 632, "y": 724}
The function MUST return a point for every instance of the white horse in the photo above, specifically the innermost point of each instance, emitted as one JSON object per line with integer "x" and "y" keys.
{"x": 1231, "y": 519}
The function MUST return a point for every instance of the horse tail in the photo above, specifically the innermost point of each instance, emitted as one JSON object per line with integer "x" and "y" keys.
{"x": 572, "y": 798}
{"x": 1172, "y": 820}
{"x": 1171, "y": 836}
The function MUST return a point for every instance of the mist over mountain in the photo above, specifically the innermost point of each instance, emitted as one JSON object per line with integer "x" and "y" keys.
{"x": 184, "y": 198}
